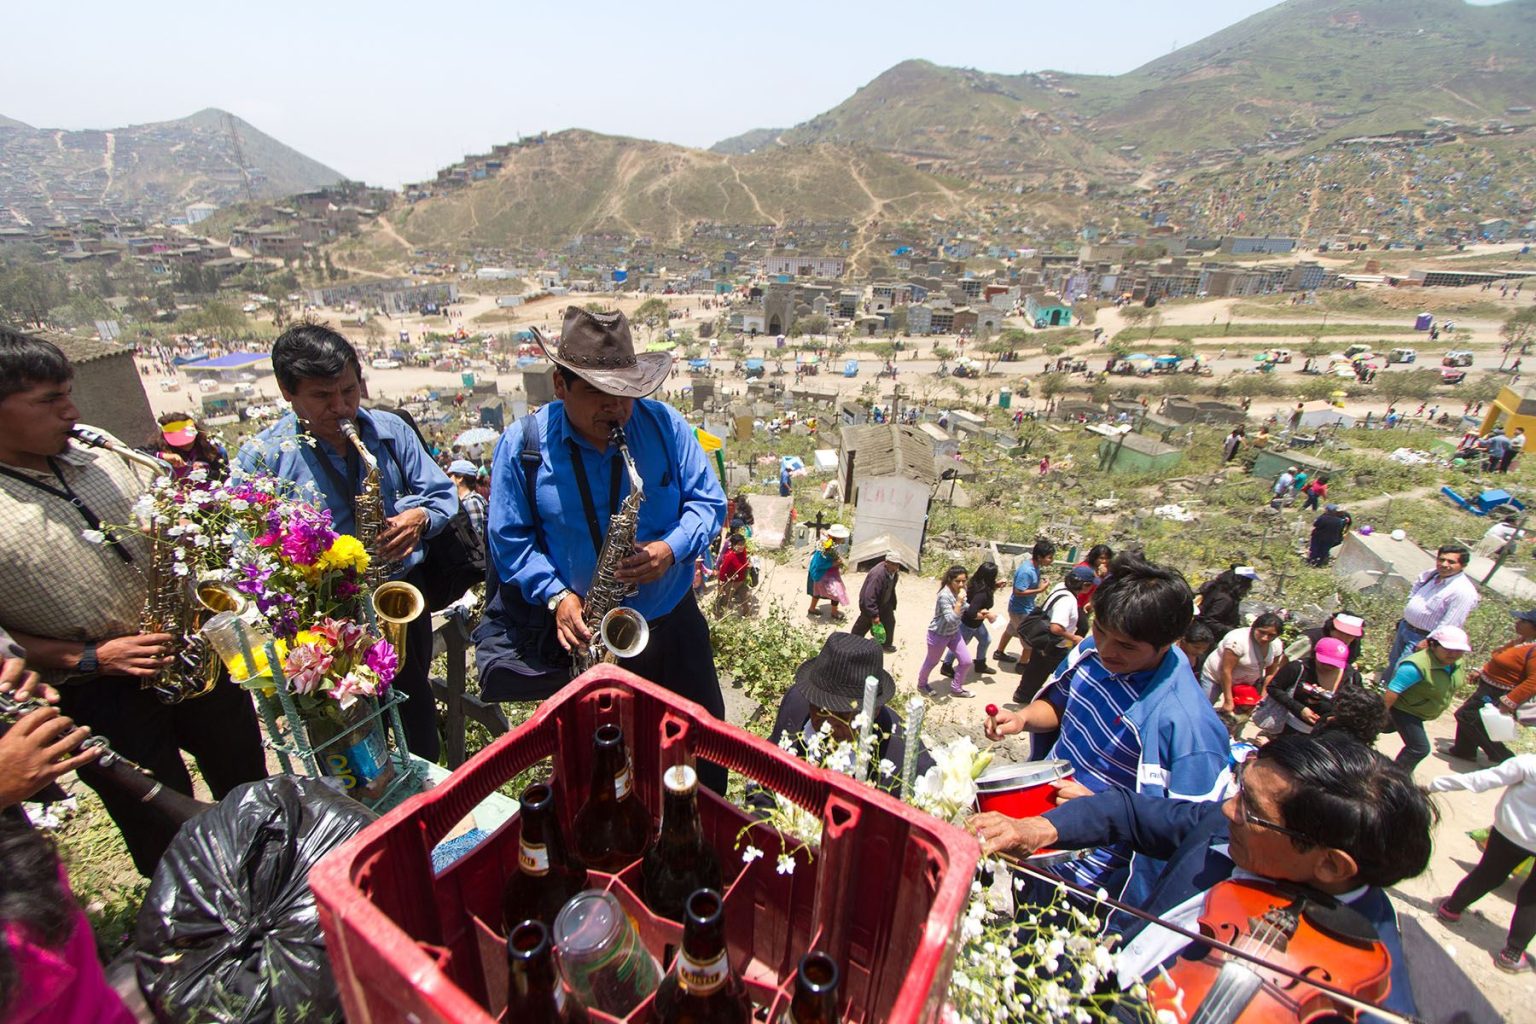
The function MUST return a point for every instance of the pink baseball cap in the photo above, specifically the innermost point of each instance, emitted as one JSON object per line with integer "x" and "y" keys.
{"x": 1331, "y": 652}
{"x": 1452, "y": 638}
{"x": 1353, "y": 625}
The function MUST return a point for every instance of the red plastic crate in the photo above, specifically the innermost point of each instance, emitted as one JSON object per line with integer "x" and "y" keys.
{"x": 882, "y": 895}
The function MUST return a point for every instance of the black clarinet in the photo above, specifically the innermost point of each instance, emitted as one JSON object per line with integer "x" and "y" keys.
{"x": 113, "y": 770}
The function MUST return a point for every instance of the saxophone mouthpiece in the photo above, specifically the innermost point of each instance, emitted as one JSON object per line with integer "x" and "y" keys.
{"x": 348, "y": 428}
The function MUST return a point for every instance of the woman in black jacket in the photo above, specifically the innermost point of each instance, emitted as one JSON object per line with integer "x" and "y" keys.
{"x": 1304, "y": 691}
{"x": 974, "y": 617}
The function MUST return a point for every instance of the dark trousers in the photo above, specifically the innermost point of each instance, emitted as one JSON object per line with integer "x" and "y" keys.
{"x": 418, "y": 714}
{"x": 679, "y": 657}
{"x": 1500, "y": 859}
{"x": 219, "y": 730}
{"x": 1034, "y": 672}
{"x": 1471, "y": 736}
{"x": 862, "y": 624}
{"x": 1415, "y": 739}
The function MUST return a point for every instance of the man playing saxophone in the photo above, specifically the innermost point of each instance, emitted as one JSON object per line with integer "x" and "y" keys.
{"x": 319, "y": 374}
{"x": 72, "y": 592}
{"x": 546, "y": 554}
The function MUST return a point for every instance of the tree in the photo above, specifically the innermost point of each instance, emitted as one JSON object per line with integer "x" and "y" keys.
{"x": 29, "y": 290}
{"x": 653, "y": 313}
{"x": 899, "y": 320}
{"x": 1085, "y": 310}
{"x": 1517, "y": 331}
{"x": 220, "y": 319}
{"x": 816, "y": 323}
{"x": 1135, "y": 316}
{"x": 1403, "y": 384}
{"x": 1051, "y": 385}
{"x": 941, "y": 353}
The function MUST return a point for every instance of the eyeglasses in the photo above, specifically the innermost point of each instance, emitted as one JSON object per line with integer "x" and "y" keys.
{"x": 1247, "y": 817}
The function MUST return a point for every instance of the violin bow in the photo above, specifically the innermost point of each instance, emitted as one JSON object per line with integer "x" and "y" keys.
{"x": 1355, "y": 1002}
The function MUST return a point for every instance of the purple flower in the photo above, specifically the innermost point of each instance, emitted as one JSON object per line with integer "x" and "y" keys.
{"x": 381, "y": 657}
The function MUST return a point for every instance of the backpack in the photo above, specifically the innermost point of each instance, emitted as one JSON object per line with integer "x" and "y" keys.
{"x": 1035, "y": 630}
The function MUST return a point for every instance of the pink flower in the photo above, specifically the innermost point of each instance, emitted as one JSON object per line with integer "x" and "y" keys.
{"x": 354, "y": 685}
{"x": 306, "y": 666}
{"x": 344, "y": 634}
{"x": 383, "y": 659}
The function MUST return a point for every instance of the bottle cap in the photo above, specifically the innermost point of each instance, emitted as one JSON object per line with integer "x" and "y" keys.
{"x": 680, "y": 778}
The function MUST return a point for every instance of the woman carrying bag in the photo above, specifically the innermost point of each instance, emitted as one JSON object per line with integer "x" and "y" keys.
{"x": 1506, "y": 681}
{"x": 1301, "y": 694}
{"x": 824, "y": 578}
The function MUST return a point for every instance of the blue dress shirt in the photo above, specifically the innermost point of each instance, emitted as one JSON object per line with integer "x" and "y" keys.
{"x": 408, "y": 478}
{"x": 684, "y": 505}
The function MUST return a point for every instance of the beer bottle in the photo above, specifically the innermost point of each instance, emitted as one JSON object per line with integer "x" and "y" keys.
{"x": 680, "y": 861}
{"x": 816, "y": 991}
{"x": 613, "y": 826}
{"x": 534, "y": 994}
{"x": 546, "y": 876}
{"x": 701, "y": 988}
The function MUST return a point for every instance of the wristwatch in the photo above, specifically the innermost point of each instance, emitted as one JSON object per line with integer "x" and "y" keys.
{"x": 88, "y": 665}
{"x": 554, "y": 602}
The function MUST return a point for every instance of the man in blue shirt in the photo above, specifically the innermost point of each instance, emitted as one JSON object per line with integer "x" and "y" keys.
{"x": 1324, "y": 812}
{"x": 319, "y": 374}
{"x": 544, "y": 556}
{"x": 1125, "y": 711}
{"x": 1028, "y": 581}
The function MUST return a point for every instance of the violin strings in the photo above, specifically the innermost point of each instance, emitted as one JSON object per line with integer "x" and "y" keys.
{"x": 1356, "y": 1003}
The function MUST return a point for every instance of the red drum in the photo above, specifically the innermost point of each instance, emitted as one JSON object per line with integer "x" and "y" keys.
{"x": 1021, "y": 790}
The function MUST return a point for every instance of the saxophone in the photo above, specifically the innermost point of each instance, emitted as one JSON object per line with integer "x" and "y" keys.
{"x": 617, "y": 632}
{"x": 173, "y": 603}
{"x": 395, "y": 602}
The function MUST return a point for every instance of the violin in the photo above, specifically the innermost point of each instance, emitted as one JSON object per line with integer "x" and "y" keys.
{"x": 1302, "y": 932}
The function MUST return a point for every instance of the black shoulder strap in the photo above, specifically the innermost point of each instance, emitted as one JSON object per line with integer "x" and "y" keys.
{"x": 532, "y": 457}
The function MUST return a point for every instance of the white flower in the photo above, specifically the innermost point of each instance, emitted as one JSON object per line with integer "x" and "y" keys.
{"x": 239, "y": 504}
{"x": 786, "y": 742}
{"x": 786, "y": 864}
{"x": 93, "y": 536}
{"x": 887, "y": 767}
{"x": 198, "y": 475}
{"x": 180, "y": 569}
{"x": 750, "y": 854}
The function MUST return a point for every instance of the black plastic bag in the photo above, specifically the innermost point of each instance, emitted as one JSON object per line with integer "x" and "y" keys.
{"x": 228, "y": 931}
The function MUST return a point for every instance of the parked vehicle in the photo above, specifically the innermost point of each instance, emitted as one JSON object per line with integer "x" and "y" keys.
{"x": 1280, "y": 355}
{"x": 1403, "y": 355}
{"x": 1457, "y": 357}
{"x": 1451, "y": 375}
{"x": 385, "y": 364}
{"x": 1357, "y": 349}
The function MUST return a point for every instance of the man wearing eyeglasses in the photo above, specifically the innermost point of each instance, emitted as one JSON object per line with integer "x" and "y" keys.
{"x": 1324, "y": 812}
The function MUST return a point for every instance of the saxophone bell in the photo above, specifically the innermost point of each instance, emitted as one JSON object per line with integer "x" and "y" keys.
{"x": 624, "y": 632}
{"x": 395, "y": 606}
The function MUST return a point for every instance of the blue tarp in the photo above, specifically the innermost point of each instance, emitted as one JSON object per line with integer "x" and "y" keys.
{"x": 698, "y": 364}
{"x": 754, "y": 364}
{"x": 233, "y": 361}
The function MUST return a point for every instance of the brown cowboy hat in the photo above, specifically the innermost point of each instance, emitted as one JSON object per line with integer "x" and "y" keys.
{"x": 597, "y": 347}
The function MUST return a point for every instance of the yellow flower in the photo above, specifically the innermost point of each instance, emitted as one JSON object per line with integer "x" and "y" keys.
{"x": 262, "y": 670}
{"x": 345, "y": 552}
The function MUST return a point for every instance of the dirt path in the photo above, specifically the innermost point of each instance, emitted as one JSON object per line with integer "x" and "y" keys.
{"x": 753, "y": 197}
{"x": 388, "y": 230}
{"x": 107, "y": 164}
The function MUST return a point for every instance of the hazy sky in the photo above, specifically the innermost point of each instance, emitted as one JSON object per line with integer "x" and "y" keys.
{"x": 390, "y": 91}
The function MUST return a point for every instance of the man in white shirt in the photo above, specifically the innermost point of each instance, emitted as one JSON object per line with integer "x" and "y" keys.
{"x": 1443, "y": 596}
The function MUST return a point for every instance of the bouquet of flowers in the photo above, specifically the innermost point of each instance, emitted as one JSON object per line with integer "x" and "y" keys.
{"x": 336, "y": 661}
{"x": 263, "y": 537}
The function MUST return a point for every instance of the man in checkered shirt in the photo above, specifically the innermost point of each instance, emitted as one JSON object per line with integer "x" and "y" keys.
{"x": 72, "y": 591}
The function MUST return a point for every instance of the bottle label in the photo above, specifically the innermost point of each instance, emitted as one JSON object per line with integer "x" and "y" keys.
{"x": 621, "y": 782}
{"x": 533, "y": 858}
{"x": 702, "y": 978}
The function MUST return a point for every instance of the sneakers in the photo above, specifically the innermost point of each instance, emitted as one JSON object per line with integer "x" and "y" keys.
{"x": 1444, "y": 912}
{"x": 1511, "y": 961}
{"x": 925, "y": 689}
{"x": 960, "y": 691}
{"x": 947, "y": 669}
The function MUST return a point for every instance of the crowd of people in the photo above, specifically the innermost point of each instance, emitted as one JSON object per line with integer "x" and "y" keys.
{"x": 1125, "y": 672}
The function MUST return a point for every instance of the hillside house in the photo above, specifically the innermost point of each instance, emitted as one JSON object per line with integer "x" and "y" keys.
{"x": 1046, "y": 311}
{"x": 1239, "y": 245}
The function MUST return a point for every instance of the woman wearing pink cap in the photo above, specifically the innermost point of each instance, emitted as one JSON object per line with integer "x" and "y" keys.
{"x": 1422, "y": 687}
{"x": 186, "y": 447}
{"x": 1302, "y": 693}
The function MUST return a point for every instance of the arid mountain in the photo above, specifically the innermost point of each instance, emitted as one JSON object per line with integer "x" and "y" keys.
{"x": 147, "y": 171}
{"x": 11, "y": 122}
{"x": 578, "y": 182}
{"x": 1300, "y": 74}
